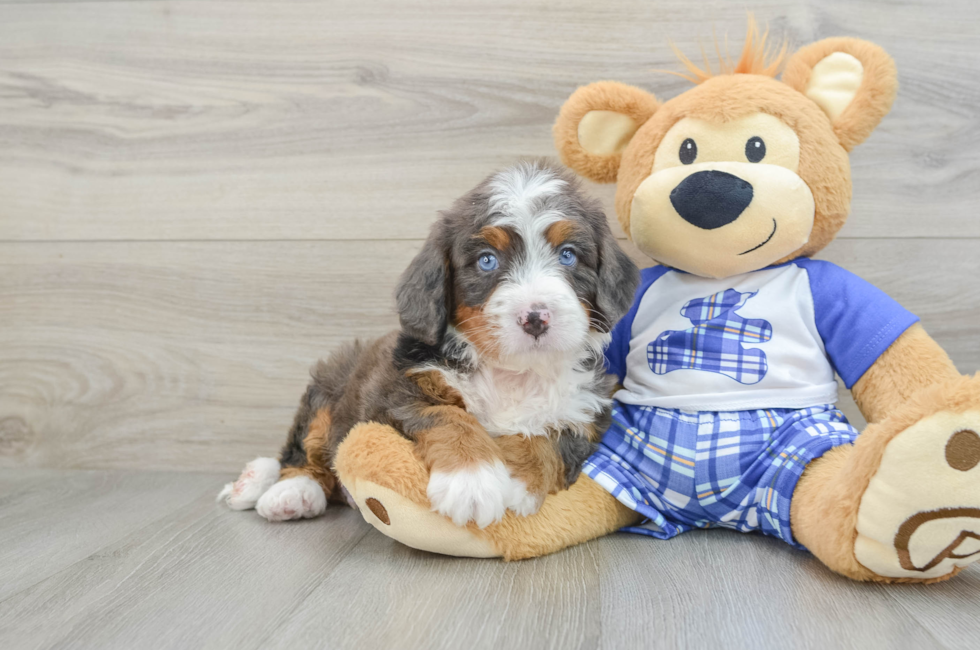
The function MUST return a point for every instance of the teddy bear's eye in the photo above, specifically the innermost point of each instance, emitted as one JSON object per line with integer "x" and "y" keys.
{"x": 688, "y": 152}
{"x": 755, "y": 149}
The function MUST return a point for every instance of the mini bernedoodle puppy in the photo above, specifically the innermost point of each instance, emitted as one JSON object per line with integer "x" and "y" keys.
{"x": 497, "y": 373}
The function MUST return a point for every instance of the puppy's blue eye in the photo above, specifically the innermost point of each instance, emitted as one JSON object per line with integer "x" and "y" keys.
{"x": 487, "y": 262}
{"x": 567, "y": 257}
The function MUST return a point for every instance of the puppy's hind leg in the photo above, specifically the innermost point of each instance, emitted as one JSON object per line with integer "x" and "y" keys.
{"x": 297, "y": 497}
{"x": 262, "y": 473}
{"x": 305, "y": 481}
{"x": 257, "y": 477}
{"x": 303, "y": 491}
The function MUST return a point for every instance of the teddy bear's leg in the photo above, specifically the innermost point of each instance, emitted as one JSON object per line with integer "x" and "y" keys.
{"x": 903, "y": 503}
{"x": 387, "y": 482}
{"x": 581, "y": 513}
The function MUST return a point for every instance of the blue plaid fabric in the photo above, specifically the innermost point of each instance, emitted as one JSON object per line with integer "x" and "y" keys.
{"x": 714, "y": 344}
{"x": 684, "y": 470}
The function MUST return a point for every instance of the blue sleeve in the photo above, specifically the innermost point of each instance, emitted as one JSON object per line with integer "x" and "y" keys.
{"x": 856, "y": 320}
{"x": 619, "y": 347}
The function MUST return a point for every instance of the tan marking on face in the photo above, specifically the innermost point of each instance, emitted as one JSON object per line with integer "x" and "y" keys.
{"x": 474, "y": 325}
{"x": 559, "y": 232}
{"x": 588, "y": 315}
{"x": 495, "y": 236}
{"x": 434, "y": 385}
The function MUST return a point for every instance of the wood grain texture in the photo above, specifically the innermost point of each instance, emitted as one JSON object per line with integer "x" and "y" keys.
{"x": 451, "y": 602}
{"x": 174, "y": 355}
{"x": 329, "y": 120}
{"x": 50, "y": 520}
{"x": 708, "y": 589}
{"x": 199, "y": 575}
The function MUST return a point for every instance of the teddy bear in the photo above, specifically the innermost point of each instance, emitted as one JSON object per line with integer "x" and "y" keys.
{"x": 724, "y": 415}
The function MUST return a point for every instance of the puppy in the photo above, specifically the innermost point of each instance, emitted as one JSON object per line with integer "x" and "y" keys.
{"x": 497, "y": 373}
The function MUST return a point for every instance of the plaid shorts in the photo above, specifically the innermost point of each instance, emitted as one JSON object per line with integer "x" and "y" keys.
{"x": 685, "y": 469}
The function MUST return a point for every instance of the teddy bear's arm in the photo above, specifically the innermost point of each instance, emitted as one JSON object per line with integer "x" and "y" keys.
{"x": 911, "y": 363}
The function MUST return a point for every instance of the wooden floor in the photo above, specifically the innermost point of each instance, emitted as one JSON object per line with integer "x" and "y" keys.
{"x": 198, "y": 199}
{"x": 116, "y": 559}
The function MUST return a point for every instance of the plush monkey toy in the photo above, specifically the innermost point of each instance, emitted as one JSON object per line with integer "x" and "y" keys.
{"x": 725, "y": 416}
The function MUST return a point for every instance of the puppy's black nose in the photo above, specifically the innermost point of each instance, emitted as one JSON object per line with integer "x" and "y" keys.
{"x": 711, "y": 199}
{"x": 535, "y": 322}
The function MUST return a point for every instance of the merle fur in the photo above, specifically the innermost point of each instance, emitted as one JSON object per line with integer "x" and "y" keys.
{"x": 371, "y": 381}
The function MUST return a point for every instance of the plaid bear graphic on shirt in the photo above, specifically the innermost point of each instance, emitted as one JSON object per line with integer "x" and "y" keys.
{"x": 714, "y": 344}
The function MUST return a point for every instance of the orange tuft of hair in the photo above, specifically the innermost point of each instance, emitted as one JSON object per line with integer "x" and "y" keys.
{"x": 758, "y": 57}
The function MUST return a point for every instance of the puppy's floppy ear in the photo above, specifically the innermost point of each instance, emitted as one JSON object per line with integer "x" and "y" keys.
{"x": 854, "y": 82}
{"x": 618, "y": 279}
{"x": 422, "y": 291}
{"x": 596, "y": 123}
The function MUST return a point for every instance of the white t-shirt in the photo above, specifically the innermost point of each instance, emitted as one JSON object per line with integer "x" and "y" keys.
{"x": 767, "y": 339}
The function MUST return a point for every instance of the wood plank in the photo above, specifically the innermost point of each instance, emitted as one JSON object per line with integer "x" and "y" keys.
{"x": 51, "y": 519}
{"x": 192, "y": 355}
{"x": 306, "y": 120}
{"x": 140, "y": 354}
{"x": 721, "y": 588}
{"x": 386, "y": 595}
{"x": 204, "y": 576}
{"x": 948, "y": 609}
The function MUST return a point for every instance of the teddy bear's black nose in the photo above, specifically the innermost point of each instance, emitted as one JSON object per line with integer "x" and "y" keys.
{"x": 711, "y": 199}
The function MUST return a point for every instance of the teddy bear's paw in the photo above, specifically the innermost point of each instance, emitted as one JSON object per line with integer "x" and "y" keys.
{"x": 521, "y": 502}
{"x": 474, "y": 493}
{"x": 299, "y": 497}
{"x": 920, "y": 516}
{"x": 257, "y": 477}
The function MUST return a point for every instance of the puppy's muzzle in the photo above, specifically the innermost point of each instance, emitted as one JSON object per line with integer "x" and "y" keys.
{"x": 535, "y": 320}
{"x": 711, "y": 199}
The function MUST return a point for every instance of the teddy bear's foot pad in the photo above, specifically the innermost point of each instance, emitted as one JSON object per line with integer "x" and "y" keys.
{"x": 416, "y": 525}
{"x": 920, "y": 516}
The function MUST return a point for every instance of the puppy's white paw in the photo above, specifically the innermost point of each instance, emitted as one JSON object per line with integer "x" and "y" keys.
{"x": 521, "y": 502}
{"x": 257, "y": 477}
{"x": 470, "y": 494}
{"x": 299, "y": 497}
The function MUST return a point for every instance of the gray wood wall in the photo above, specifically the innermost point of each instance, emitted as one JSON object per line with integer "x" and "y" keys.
{"x": 197, "y": 199}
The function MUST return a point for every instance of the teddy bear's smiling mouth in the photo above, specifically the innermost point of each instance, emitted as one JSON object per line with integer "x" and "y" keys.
{"x": 755, "y": 248}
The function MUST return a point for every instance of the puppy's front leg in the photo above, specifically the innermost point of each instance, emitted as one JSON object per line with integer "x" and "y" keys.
{"x": 536, "y": 470}
{"x": 542, "y": 465}
{"x": 467, "y": 479}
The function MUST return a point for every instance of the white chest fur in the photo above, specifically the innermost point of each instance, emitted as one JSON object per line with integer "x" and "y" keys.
{"x": 530, "y": 401}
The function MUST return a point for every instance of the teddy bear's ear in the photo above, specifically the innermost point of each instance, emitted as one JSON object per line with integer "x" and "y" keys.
{"x": 596, "y": 124}
{"x": 852, "y": 81}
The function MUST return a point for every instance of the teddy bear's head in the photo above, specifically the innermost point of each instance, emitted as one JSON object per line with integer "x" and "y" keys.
{"x": 742, "y": 171}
